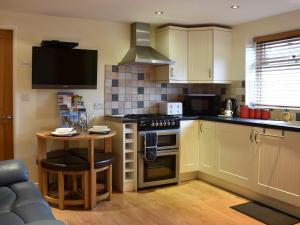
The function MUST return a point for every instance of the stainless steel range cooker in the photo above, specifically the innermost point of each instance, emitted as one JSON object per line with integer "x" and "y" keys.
{"x": 165, "y": 169}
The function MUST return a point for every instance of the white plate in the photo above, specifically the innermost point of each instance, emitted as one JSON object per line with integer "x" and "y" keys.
{"x": 64, "y": 130}
{"x": 64, "y": 133}
{"x": 97, "y": 130}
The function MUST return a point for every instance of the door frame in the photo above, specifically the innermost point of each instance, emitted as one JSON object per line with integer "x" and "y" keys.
{"x": 14, "y": 30}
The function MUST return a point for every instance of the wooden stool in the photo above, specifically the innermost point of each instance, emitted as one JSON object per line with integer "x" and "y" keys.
{"x": 63, "y": 163}
{"x": 102, "y": 163}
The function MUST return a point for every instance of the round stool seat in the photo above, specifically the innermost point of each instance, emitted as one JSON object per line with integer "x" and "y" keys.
{"x": 57, "y": 154}
{"x": 100, "y": 159}
{"x": 65, "y": 162}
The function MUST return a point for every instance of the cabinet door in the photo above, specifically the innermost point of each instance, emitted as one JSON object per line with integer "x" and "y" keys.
{"x": 200, "y": 49}
{"x": 207, "y": 147}
{"x": 189, "y": 147}
{"x": 234, "y": 150}
{"x": 278, "y": 166}
{"x": 178, "y": 53}
{"x": 222, "y": 55}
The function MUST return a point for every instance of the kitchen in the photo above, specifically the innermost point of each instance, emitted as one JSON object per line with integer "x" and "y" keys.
{"x": 205, "y": 160}
{"x": 202, "y": 131}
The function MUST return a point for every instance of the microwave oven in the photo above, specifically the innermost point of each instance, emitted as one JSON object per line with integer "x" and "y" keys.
{"x": 201, "y": 104}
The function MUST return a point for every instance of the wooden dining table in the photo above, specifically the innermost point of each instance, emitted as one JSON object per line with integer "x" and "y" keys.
{"x": 44, "y": 136}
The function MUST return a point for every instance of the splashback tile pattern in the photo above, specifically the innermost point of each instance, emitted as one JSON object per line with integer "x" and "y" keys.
{"x": 133, "y": 89}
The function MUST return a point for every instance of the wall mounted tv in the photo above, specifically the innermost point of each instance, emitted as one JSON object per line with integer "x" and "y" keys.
{"x": 63, "y": 68}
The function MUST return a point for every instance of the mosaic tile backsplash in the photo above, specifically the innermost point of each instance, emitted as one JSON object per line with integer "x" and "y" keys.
{"x": 133, "y": 89}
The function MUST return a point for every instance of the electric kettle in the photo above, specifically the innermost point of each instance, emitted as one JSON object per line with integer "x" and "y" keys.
{"x": 231, "y": 104}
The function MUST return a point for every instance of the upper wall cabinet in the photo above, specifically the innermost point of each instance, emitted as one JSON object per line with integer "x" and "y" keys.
{"x": 203, "y": 53}
{"x": 172, "y": 42}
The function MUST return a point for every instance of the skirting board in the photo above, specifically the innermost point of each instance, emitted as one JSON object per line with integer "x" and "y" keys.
{"x": 293, "y": 210}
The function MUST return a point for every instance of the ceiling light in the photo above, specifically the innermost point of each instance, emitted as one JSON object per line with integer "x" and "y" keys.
{"x": 159, "y": 12}
{"x": 235, "y": 6}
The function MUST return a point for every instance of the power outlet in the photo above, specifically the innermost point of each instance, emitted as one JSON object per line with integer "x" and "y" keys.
{"x": 25, "y": 97}
{"x": 98, "y": 106}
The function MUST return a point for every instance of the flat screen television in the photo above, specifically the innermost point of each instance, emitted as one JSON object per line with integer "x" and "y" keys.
{"x": 62, "y": 68}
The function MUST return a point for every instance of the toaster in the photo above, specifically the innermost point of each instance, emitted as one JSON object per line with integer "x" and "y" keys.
{"x": 170, "y": 108}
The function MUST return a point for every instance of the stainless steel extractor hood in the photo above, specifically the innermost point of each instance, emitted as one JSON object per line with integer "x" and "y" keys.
{"x": 140, "y": 51}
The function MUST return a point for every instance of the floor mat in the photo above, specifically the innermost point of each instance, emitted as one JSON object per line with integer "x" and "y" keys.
{"x": 265, "y": 214}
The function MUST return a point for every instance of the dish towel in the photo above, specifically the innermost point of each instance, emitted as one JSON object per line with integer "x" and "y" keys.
{"x": 150, "y": 143}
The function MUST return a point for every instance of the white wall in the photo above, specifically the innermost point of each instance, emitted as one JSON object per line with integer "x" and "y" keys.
{"x": 112, "y": 40}
{"x": 244, "y": 33}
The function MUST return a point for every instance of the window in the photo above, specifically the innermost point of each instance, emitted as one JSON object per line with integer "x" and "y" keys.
{"x": 276, "y": 78}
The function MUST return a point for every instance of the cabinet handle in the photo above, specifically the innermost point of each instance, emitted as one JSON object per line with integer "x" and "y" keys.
{"x": 256, "y": 137}
{"x": 270, "y": 135}
{"x": 171, "y": 71}
{"x": 209, "y": 73}
{"x": 200, "y": 128}
{"x": 251, "y": 136}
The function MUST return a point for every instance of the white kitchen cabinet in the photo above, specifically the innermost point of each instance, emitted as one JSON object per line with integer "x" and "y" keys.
{"x": 209, "y": 53}
{"x": 201, "y": 55}
{"x": 189, "y": 146}
{"x": 234, "y": 153}
{"x": 278, "y": 165}
{"x": 222, "y": 41}
{"x": 207, "y": 156}
{"x": 172, "y": 42}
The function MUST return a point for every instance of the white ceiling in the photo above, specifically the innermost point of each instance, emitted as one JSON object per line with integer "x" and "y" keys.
{"x": 176, "y": 11}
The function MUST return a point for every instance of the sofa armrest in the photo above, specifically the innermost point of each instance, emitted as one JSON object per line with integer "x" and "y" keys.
{"x": 12, "y": 171}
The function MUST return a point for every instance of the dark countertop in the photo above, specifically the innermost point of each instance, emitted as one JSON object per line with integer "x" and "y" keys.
{"x": 273, "y": 124}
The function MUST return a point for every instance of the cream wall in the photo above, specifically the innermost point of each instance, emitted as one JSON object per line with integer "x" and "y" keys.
{"x": 244, "y": 33}
{"x": 112, "y": 41}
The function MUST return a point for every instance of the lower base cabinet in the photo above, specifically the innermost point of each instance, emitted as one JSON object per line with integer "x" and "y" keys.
{"x": 207, "y": 157}
{"x": 278, "y": 165}
{"x": 265, "y": 161}
{"x": 189, "y": 146}
{"x": 234, "y": 153}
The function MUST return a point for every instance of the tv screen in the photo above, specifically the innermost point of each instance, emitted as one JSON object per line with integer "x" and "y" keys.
{"x": 60, "y": 68}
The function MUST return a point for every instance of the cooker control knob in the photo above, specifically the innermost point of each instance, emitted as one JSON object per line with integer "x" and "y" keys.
{"x": 156, "y": 124}
{"x": 164, "y": 123}
{"x": 168, "y": 123}
{"x": 173, "y": 123}
{"x": 152, "y": 124}
{"x": 160, "y": 123}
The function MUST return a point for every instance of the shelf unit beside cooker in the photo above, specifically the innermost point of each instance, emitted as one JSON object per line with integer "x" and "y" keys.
{"x": 125, "y": 152}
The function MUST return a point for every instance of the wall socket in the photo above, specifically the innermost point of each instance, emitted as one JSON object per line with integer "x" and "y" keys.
{"x": 98, "y": 106}
{"x": 25, "y": 97}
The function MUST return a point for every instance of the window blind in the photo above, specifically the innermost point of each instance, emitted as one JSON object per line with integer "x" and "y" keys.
{"x": 277, "y": 73}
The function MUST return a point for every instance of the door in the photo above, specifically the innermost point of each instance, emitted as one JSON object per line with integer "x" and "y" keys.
{"x": 189, "y": 147}
{"x": 163, "y": 170}
{"x": 178, "y": 53}
{"x": 6, "y": 94}
{"x": 278, "y": 167}
{"x": 222, "y": 55}
{"x": 207, "y": 147}
{"x": 200, "y": 50}
{"x": 234, "y": 149}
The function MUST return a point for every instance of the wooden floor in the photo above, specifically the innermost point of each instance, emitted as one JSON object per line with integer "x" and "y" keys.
{"x": 193, "y": 202}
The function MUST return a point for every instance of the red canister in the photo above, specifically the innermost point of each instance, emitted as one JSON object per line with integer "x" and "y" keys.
{"x": 258, "y": 113}
{"x": 252, "y": 113}
{"x": 244, "y": 111}
{"x": 265, "y": 114}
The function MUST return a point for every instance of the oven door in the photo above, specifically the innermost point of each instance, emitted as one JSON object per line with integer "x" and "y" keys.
{"x": 166, "y": 139}
{"x": 163, "y": 170}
